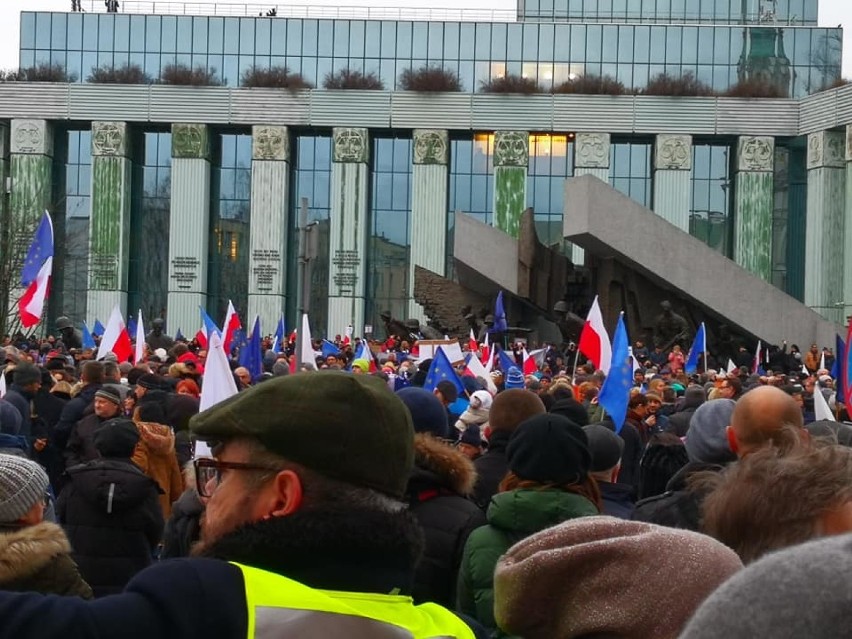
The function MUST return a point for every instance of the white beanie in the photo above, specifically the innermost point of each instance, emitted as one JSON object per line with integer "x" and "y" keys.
{"x": 22, "y": 484}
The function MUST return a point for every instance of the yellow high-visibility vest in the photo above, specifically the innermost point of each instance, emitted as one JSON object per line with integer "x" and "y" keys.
{"x": 280, "y": 608}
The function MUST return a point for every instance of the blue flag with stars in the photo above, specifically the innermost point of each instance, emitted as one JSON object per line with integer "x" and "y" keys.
{"x": 442, "y": 370}
{"x": 98, "y": 328}
{"x": 39, "y": 251}
{"x": 329, "y": 349}
{"x": 837, "y": 370}
{"x": 88, "y": 340}
{"x": 279, "y": 335}
{"x": 500, "y": 323}
{"x": 615, "y": 392}
{"x": 131, "y": 326}
{"x": 699, "y": 347}
{"x": 506, "y": 361}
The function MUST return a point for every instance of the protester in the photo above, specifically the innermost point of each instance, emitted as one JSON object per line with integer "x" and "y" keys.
{"x": 155, "y": 453}
{"x": 91, "y": 378}
{"x": 81, "y": 447}
{"x": 606, "y": 448}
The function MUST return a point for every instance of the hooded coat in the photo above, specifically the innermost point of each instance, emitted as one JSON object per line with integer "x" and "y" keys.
{"x": 38, "y": 559}
{"x": 112, "y": 515}
{"x": 155, "y": 455}
{"x": 679, "y": 421}
{"x": 438, "y": 492}
{"x": 512, "y": 516}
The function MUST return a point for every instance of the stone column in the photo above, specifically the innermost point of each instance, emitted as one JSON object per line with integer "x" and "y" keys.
{"x": 428, "y": 209}
{"x": 109, "y": 224}
{"x": 511, "y": 162}
{"x": 347, "y": 267}
{"x": 591, "y": 157}
{"x": 672, "y": 183}
{"x": 4, "y": 175}
{"x": 847, "y": 231}
{"x": 189, "y": 225}
{"x": 825, "y": 230}
{"x": 754, "y": 195}
{"x": 270, "y": 188}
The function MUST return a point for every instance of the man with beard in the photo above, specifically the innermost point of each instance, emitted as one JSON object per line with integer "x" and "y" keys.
{"x": 304, "y": 534}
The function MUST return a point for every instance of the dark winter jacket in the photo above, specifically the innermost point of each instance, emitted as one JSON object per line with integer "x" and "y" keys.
{"x": 38, "y": 559}
{"x": 437, "y": 494}
{"x": 81, "y": 444}
{"x": 491, "y": 468}
{"x": 679, "y": 421}
{"x": 678, "y": 507}
{"x": 20, "y": 399}
{"x": 204, "y": 598}
{"x": 74, "y": 411}
{"x": 632, "y": 454}
{"x": 183, "y": 526}
{"x": 512, "y": 516}
{"x": 49, "y": 408}
{"x": 112, "y": 515}
{"x": 617, "y": 499}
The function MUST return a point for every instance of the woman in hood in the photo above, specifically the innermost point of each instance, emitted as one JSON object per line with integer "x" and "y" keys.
{"x": 155, "y": 453}
{"x": 477, "y": 411}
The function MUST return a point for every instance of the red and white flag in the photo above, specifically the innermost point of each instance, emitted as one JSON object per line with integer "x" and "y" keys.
{"x": 533, "y": 361}
{"x": 486, "y": 354}
{"x": 35, "y": 276}
{"x": 756, "y": 366}
{"x": 232, "y": 324}
{"x": 115, "y": 338}
{"x": 306, "y": 347}
{"x": 472, "y": 344}
{"x": 475, "y": 368}
{"x": 140, "y": 340}
{"x": 347, "y": 337}
{"x": 594, "y": 339}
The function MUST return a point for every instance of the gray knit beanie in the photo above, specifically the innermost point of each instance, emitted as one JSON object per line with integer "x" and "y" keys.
{"x": 707, "y": 439}
{"x": 802, "y": 591}
{"x": 22, "y": 485}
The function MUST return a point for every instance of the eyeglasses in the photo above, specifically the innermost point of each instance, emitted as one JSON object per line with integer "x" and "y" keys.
{"x": 208, "y": 473}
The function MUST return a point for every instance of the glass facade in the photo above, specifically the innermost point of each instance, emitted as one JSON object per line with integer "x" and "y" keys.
{"x": 551, "y": 162}
{"x": 227, "y": 271}
{"x": 389, "y": 240}
{"x": 710, "y": 219}
{"x": 789, "y": 12}
{"x": 472, "y": 176}
{"x": 630, "y": 170}
{"x": 71, "y": 213}
{"x": 549, "y": 52}
{"x": 149, "y": 226}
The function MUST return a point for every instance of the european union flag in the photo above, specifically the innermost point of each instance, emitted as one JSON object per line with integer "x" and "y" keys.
{"x": 506, "y": 361}
{"x": 88, "y": 340}
{"x": 615, "y": 392}
{"x": 40, "y": 249}
{"x": 442, "y": 370}
{"x": 500, "y": 323}
{"x": 131, "y": 326}
{"x": 836, "y": 368}
{"x": 699, "y": 346}
{"x": 98, "y": 328}
{"x": 279, "y": 336}
{"x": 179, "y": 336}
{"x": 250, "y": 352}
{"x": 329, "y": 349}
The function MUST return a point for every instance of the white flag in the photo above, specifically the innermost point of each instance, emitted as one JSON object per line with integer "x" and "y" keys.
{"x": 218, "y": 384}
{"x": 822, "y": 361}
{"x": 2, "y": 383}
{"x": 732, "y": 368}
{"x": 112, "y": 334}
{"x": 478, "y": 370}
{"x": 140, "y": 339}
{"x": 821, "y": 409}
{"x": 306, "y": 347}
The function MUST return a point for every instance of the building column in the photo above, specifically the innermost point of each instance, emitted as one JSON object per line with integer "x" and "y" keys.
{"x": 4, "y": 177}
{"x": 109, "y": 224}
{"x": 847, "y": 231}
{"x": 754, "y": 198}
{"x": 347, "y": 267}
{"x": 270, "y": 189}
{"x": 672, "y": 179}
{"x": 591, "y": 157}
{"x": 825, "y": 230}
{"x": 189, "y": 225}
{"x": 428, "y": 209}
{"x": 511, "y": 162}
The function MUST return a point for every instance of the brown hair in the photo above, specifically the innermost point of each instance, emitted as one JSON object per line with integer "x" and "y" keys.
{"x": 773, "y": 499}
{"x": 587, "y": 487}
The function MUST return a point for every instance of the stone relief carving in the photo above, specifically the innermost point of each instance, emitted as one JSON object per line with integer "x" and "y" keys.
{"x": 351, "y": 145}
{"x": 190, "y": 141}
{"x": 31, "y": 137}
{"x": 431, "y": 146}
{"x": 270, "y": 143}
{"x": 826, "y": 149}
{"x": 591, "y": 151}
{"x": 674, "y": 152}
{"x": 755, "y": 153}
{"x": 849, "y": 142}
{"x": 109, "y": 138}
{"x": 511, "y": 148}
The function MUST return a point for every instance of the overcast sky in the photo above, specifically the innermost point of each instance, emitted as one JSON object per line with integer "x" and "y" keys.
{"x": 831, "y": 13}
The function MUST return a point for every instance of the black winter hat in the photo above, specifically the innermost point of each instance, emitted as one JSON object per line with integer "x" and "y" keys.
{"x": 26, "y": 374}
{"x": 549, "y": 448}
{"x": 571, "y": 409}
{"x": 427, "y": 412}
{"x": 116, "y": 438}
{"x": 606, "y": 447}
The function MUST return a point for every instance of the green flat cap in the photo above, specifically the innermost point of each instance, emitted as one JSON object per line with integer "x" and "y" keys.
{"x": 346, "y": 427}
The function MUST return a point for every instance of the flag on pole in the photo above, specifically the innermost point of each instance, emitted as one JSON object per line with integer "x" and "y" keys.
{"x": 506, "y": 361}
{"x": 179, "y": 336}
{"x": 35, "y": 276}
{"x": 594, "y": 340}
{"x": 306, "y": 348}
{"x": 131, "y": 325}
{"x": 615, "y": 392}
{"x": 533, "y": 360}
{"x": 821, "y": 409}
{"x": 472, "y": 344}
{"x": 88, "y": 340}
{"x": 475, "y": 368}
{"x": 329, "y": 349}
{"x": 218, "y": 386}
{"x": 699, "y": 347}
{"x": 251, "y": 353}
{"x": 140, "y": 340}
{"x": 231, "y": 325}
{"x": 846, "y": 367}
{"x": 500, "y": 323}
{"x": 732, "y": 368}
{"x": 115, "y": 339}
{"x": 805, "y": 371}
{"x": 365, "y": 353}
{"x": 98, "y": 328}
{"x": 756, "y": 365}
{"x": 208, "y": 327}
{"x": 280, "y": 332}
{"x": 2, "y": 385}
{"x": 837, "y": 370}
{"x": 822, "y": 361}
{"x": 347, "y": 337}
{"x": 441, "y": 370}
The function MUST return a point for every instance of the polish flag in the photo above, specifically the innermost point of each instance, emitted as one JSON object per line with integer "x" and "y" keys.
{"x": 115, "y": 338}
{"x": 218, "y": 385}
{"x": 208, "y": 328}
{"x": 232, "y": 323}
{"x": 486, "y": 354}
{"x": 472, "y": 344}
{"x": 35, "y": 275}
{"x": 756, "y": 365}
{"x": 594, "y": 340}
{"x": 532, "y": 361}
{"x": 140, "y": 340}
{"x": 476, "y": 369}
{"x": 347, "y": 337}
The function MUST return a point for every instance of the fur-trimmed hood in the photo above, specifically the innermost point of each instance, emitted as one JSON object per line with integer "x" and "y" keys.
{"x": 437, "y": 462}
{"x": 159, "y": 438}
{"x": 25, "y": 551}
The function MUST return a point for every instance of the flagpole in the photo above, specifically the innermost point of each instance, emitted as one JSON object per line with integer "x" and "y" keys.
{"x": 574, "y": 372}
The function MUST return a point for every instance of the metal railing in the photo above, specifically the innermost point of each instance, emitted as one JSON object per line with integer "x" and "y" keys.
{"x": 303, "y": 11}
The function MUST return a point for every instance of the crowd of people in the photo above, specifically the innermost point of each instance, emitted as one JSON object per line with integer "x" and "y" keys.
{"x": 355, "y": 495}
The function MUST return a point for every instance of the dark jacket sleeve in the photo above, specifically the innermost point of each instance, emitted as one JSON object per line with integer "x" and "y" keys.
{"x": 71, "y": 414}
{"x": 186, "y": 598}
{"x": 153, "y": 513}
{"x": 74, "y": 450}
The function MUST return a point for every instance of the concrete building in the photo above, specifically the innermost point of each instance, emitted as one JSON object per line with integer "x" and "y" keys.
{"x": 170, "y": 197}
